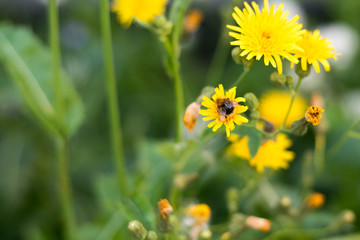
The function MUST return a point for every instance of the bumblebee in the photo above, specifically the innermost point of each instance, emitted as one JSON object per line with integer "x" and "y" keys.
{"x": 225, "y": 107}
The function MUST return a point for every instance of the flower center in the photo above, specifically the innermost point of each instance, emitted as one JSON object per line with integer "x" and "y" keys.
{"x": 266, "y": 35}
{"x": 225, "y": 106}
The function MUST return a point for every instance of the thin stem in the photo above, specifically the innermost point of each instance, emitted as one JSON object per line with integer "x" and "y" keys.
{"x": 61, "y": 142}
{"x": 241, "y": 76}
{"x": 65, "y": 189}
{"x": 56, "y": 61}
{"x": 112, "y": 97}
{"x": 319, "y": 154}
{"x": 291, "y": 102}
{"x": 342, "y": 140}
{"x": 179, "y": 96}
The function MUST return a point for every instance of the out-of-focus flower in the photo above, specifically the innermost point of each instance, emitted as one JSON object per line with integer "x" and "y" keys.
{"x": 224, "y": 109}
{"x": 143, "y": 10}
{"x": 191, "y": 115}
{"x": 315, "y": 200}
{"x": 313, "y": 114}
{"x": 193, "y": 20}
{"x": 200, "y": 213}
{"x": 266, "y": 32}
{"x": 257, "y": 223}
{"x": 315, "y": 49}
{"x": 275, "y": 103}
{"x": 164, "y": 208}
{"x": 272, "y": 153}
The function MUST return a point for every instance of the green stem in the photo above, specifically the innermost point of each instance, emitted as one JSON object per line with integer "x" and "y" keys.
{"x": 241, "y": 76}
{"x": 61, "y": 141}
{"x": 112, "y": 97}
{"x": 319, "y": 154}
{"x": 342, "y": 140}
{"x": 179, "y": 96}
{"x": 283, "y": 126}
{"x": 65, "y": 189}
{"x": 56, "y": 62}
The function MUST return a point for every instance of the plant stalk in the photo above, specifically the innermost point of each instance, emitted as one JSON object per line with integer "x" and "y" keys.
{"x": 112, "y": 97}
{"x": 283, "y": 126}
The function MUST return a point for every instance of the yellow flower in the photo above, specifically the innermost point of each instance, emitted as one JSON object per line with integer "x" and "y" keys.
{"x": 315, "y": 49}
{"x": 275, "y": 103}
{"x": 200, "y": 212}
{"x": 224, "y": 109}
{"x": 266, "y": 32}
{"x": 143, "y": 10}
{"x": 271, "y": 153}
{"x": 313, "y": 114}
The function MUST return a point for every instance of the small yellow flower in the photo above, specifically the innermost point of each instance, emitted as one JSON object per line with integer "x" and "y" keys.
{"x": 313, "y": 114}
{"x": 164, "y": 208}
{"x": 257, "y": 223}
{"x": 315, "y": 49}
{"x": 315, "y": 200}
{"x": 271, "y": 153}
{"x": 275, "y": 103}
{"x": 224, "y": 109}
{"x": 266, "y": 32}
{"x": 143, "y": 10}
{"x": 200, "y": 212}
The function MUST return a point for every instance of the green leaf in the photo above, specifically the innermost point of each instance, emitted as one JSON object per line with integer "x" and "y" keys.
{"x": 28, "y": 63}
{"x": 254, "y": 135}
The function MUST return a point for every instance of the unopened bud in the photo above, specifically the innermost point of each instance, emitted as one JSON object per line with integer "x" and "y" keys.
{"x": 226, "y": 236}
{"x": 137, "y": 230}
{"x": 348, "y": 216}
{"x": 289, "y": 81}
{"x": 205, "y": 234}
{"x": 300, "y": 72}
{"x": 299, "y": 127}
{"x": 257, "y": 223}
{"x": 315, "y": 200}
{"x": 207, "y": 91}
{"x": 285, "y": 202}
{"x": 182, "y": 180}
{"x": 193, "y": 20}
{"x": 254, "y": 115}
{"x": 278, "y": 78}
{"x": 191, "y": 115}
{"x": 163, "y": 27}
{"x": 151, "y": 236}
{"x": 251, "y": 101}
{"x": 236, "y": 52}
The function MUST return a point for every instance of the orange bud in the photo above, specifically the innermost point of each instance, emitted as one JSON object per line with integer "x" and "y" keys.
{"x": 191, "y": 115}
{"x": 164, "y": 208}
{"x": 315, "y": 200}
{"x": 193, "y": 20}
{"x": 313, "y": 114}
{"x": 257, "y": 223}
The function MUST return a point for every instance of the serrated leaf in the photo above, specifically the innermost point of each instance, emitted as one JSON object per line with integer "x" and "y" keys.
{"x": 254, "y": 135}
{"x": 28, "y": 62}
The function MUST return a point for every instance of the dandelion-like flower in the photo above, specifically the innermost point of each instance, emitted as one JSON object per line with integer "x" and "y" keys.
{"x": 315, "y": 49}
{"x": 275, "y": 103}
{"x": 266, "y": 32}
{"x": 143, "y": 10}
{"x": 224, "y": 109}
{"x": 313, "y": 115}
{"x": 272, "y": 153}
{"x": 200, "y": 212}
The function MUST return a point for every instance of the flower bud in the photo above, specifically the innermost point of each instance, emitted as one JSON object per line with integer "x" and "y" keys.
{"x": 235, "y": 53}
{"x": 163, "y": 27}
{"x": 137, "y": 230}
{"x": 299, "y": 127}
{"x": 191, "y": 115}
{"x": 164, "y": 208}
{"x": 205, "y": 234}
{"x": 151, "y": 236}
{"x": 257, "y": 223}
{"x": 300, "y": 72}
{"x": 285, "y": 202}
{"x": 193, "y": 20}
{"x": 315, "y": 200}
{"x": 348, "y": 216}
{"x": 278, "y": 78}
{"x": 251, "y": 101}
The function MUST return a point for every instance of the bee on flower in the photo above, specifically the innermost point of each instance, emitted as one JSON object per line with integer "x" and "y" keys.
{"x": 224, "y": 109}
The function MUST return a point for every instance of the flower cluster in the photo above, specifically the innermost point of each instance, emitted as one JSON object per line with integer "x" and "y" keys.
{"x": 269, "y": 34}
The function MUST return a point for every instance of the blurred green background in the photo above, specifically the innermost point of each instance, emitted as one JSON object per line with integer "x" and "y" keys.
{"x": 29, "y": 202}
